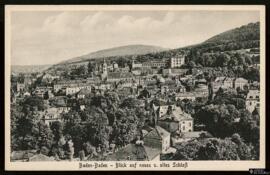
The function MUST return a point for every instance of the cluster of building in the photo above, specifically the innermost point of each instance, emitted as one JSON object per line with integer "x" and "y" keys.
{"x": 149, "y": 80}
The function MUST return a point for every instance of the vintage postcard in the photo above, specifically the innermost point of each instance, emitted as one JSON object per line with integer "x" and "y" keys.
{"x": 134, "y": 87}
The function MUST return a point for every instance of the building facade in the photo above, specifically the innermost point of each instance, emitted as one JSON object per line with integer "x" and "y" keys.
{"x": 177, "y": 61}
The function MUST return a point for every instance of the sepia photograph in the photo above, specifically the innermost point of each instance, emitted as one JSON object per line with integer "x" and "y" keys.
{"x": 134, "y": 87}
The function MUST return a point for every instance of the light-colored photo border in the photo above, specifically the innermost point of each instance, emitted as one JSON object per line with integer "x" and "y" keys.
{"x": 191, "y": 165}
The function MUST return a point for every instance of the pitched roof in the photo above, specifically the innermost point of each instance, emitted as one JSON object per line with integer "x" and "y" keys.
{"x": 194, "y": 134}
{"x": 40, "y": 157}
{"x": 134, "y": 152}
{"x": 152, "y": 152}
{"x": 157, "y": 133}
{"x": 84, "y": 91}
{"x": 220, "y": 79}
{"x": 177, "y": 115}
{"x": 115, "y": 75}
{"x": 20, "y": 155}
{"x": 241, "y": 79}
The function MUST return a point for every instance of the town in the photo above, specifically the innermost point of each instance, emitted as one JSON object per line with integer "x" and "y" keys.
{"x": 133, "y": 108}
{"x": 200, "y": 102}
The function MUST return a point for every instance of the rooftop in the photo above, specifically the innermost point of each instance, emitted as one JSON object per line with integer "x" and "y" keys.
{"x": 115, "y": 75}
{"x": 134, "y": 152}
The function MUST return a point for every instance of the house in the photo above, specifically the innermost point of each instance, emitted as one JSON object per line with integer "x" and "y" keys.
{"x": 155, "y": 64}
{"x": 187, "y": 136}
{"x": 218, "y": 83}
{"x": 82, "y": 93}
{"x": 223, "y": 82}
{"x": 120, "y": 76}
{"x": 20, "y": 87}
{"x": 52, "y": 114}
{"x": 126, "y": 92}
{"x": 176, "y": 120}
{"x": 22, "y": 156}
{"x": 26, "y": 94}
{"x": 40, "y": 157}
{"x": 227, "y": 83}
{"x": 135, "y": 152}
{"x": 177, "y": 61}
{"x": 185, "y": 95}
{"x": 136, "y": 72}
{"x": 174, "y": 72}
{"x": 103, "y": 86}
{"x": 73, "y": 89}
{"x": 63, "y": 84}
{"x": 201, "y": 88}
{"x": 240, "y": 83}
{"x": 158, "y": 138}
{"x": 253, "y": 100}
{"x": 135, "y": 65}
{"x": 41, "y": 91}
{"x": 162, "y": 107}
{"x": 115, "y": 66}
{"x": 49, "y": 78}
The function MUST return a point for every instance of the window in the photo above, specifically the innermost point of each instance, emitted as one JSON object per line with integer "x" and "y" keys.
{"x": 189, "y": 123}
{"x": 257, "y": 96}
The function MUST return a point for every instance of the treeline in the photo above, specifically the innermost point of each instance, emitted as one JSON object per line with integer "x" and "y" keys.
{"x": 247, "y": 32}
{"x": 107, "y": 122}
{"x": 220, "y": 59}
{"x": 235, "y": 132}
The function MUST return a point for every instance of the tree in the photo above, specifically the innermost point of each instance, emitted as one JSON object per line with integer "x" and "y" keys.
{"x": 32, "y": 104}
{"x": 79, "y": 71}
{"x": 26, "y": 132}
{"x": 187, "y": 151}
{"x": 216, "y": 149}
{"x": 218, "y": 119}
{"x": 91, "y": 67}
{"x": 45, "y": 136}
{"x": 57, "y": 130}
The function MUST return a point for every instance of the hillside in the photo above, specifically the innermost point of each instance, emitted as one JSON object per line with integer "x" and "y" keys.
{"x": 28, "y": 68}
{"x": 208, "y": 53}
{"x": 118, "y": 51}
{"x": 243, "y": 33}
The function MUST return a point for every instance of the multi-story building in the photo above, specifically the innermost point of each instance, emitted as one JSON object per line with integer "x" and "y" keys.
{"x": 120, "y": 76}
{"x": 223, "y": 82}
{"x": 177, "y": 61}
{"x": 73, "y": 89}
{"x": 253, "y": 100}
{"x": 158, "y": 138}
{"x": 176, "y": 120}
{"x": 240, "y": 83}
{"x": 20, "y": 87}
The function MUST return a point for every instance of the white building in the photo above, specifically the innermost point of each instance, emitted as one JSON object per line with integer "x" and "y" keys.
{"x": 241, "y": 83}
{"x": 253, "y": 100}
{"x": 177, "y": 120}
{"x": 177, "y": 61}
{"x": 74, "y": 89}
{"x": 158, "y": 137}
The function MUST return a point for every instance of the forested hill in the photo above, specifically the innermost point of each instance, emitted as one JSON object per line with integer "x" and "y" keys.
{"x": 230, "y": 48}
{"x": 117, "y": 51}
{"x": 247, "y": 36}
{"x": 244, "y": 33}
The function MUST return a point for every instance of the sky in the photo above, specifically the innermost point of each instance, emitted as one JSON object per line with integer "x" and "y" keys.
{"x": 49, "y": 37}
